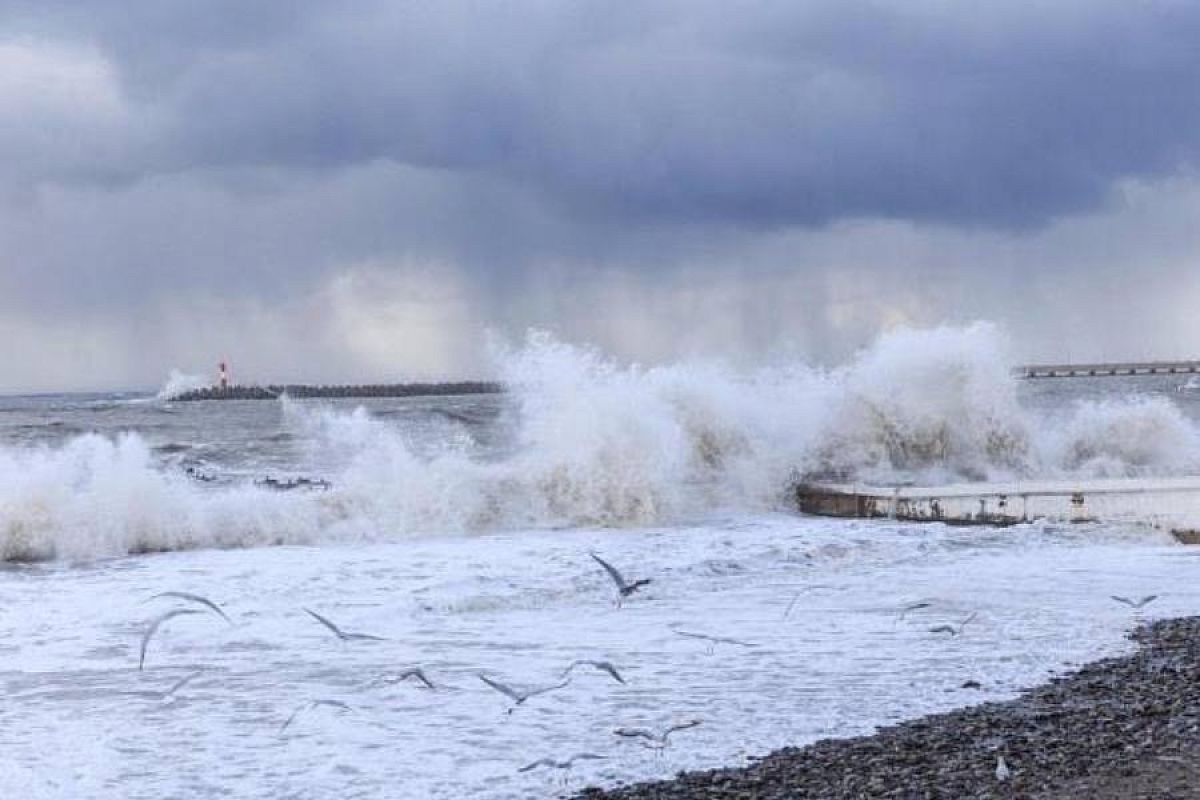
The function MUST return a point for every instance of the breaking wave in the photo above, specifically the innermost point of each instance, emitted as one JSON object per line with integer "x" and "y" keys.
{"x": 591, "y": 442}
{"x": 178, "y": 383}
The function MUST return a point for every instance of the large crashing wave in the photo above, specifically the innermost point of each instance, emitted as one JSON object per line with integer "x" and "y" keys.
{"x": 598, "y": 443}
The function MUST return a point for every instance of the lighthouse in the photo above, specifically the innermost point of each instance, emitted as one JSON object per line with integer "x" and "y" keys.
{"x": 222, "y": 376}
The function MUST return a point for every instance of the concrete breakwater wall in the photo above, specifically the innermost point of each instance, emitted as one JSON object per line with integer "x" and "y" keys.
{"x": 361, "y": 390}
{"x": 1171, "y": 504}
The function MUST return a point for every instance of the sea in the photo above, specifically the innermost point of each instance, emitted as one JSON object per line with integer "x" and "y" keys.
{"x": 462, "y": 536}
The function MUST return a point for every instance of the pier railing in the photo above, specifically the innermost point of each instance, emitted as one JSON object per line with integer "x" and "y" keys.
{"x": 1108, "y": 370}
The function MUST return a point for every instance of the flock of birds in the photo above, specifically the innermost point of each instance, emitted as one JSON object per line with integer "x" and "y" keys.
{"x": 656, "y": 740}
{"x": 650, "y": 739}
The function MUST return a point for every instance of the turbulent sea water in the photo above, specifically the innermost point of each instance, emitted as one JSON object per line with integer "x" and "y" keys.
{"x": 459, "y": 530}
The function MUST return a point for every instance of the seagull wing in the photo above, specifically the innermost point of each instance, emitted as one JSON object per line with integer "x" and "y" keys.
{"x": 195, "y": 598}
{"x": 362, "y": 636}
{"x": 610, "y": 669}
{"x": 635, "y": 733}
{"x": 584, "y": 757}
{"x": 154, "y": 626}
{"x": 296, "y": 713}
{"x": 179, "y": 684}
{"x": 332, "y": 703}
{"x": 507, "y": 691}
{"x": 541, "y": 762}
{"x": 682, "y": 726}
{"x": 336, "y": 630}
{"x": 544, "y": 689}
{"x": 611, "y": 570}
{"x": 1120, "y": 599}
{"x": 1150, "y": 598}
{"x": 418, "y": 674}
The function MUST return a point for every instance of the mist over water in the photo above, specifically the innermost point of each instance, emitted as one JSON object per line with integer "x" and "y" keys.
{"x": 578, "y": 440}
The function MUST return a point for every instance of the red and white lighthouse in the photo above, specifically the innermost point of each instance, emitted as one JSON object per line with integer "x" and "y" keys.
{"x": 222, "y": 376}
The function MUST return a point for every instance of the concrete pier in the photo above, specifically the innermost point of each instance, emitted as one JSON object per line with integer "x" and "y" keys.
{"x": 360, "y": 390}
{"x": 1171, "y": 504}
{"x": 1108, "y": 370}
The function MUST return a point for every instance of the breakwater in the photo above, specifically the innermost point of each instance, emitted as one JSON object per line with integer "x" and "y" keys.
{"x": 360, "y": 390}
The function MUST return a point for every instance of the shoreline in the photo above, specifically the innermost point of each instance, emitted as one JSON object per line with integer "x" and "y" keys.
{"x": 1115, "y": 729}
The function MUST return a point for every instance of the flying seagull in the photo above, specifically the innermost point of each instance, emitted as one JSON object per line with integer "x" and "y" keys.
{"x": 603, "y": 666}
{"x": 914, "y": 607}
{"x": 713, "y": 641}
{"x": 169, "y": 694}
{"x": 154, "y": 626}
{"x": 656, "y": 740}
{"x": 950, "y": 629}
{"x": 195, "y": 598}
{"x": 338, "y": 632}
{"x": 519, "y": 696}
{"x": 310, "y": 705}
{"x": 1141, "y": 602}
{"x": 565, "y": 764}
{"x": 624, "y": 587}
{"x": 414, "y": 672}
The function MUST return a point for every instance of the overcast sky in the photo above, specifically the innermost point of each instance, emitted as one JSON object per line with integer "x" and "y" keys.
{"x": 367, "y": 190}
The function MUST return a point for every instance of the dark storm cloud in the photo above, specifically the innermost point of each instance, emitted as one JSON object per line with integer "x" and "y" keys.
{"x": 995, "y": 114}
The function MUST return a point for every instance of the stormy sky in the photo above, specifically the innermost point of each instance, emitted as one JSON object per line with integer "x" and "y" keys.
{"x": 369, "y": 190}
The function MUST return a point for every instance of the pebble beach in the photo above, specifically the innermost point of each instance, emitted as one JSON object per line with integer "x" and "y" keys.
{"x": 1122, "y": 728}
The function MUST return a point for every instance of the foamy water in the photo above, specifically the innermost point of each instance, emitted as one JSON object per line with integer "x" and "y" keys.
{"x": 460, "y": 529}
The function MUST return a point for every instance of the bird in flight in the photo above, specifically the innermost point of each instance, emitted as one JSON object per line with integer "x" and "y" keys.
{"x": 713, "y": 641}
{"x": 624, "y": 588}
{"x": 169, "y": 694}
{"x": 155, "y": 625}
{"x": 564, "y": 764}
{"x": 403, "y": 675}
{"x": 345, "y": 636}
{"x": 195, "y": 598}
{"x": 914, "y": 607}
{"x": 952, "y": 630}
{"x": 311, "y": 705}
{"x": 603, "y": 666}
{"x": 1141, "y": 602}
{"x": 519, "y": 696}
{"x": 656, "y": 740}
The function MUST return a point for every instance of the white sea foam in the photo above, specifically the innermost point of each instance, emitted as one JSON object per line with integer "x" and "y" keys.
{"x": 595, "y": 442}
{"x": 179, "y": 382}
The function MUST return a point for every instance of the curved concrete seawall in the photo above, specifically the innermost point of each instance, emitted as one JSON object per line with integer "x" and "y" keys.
{"x": 1171, "y": 504}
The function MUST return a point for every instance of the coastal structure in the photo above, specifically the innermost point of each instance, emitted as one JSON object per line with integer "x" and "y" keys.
{"x": 227, "y": 391}
{"x": 1108, "y": 370}
{"x": 1171, "y": 504}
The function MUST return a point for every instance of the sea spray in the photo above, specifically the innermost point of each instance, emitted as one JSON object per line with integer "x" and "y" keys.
{"x": 179, "y": 383}
{"x": 583, "y": 440}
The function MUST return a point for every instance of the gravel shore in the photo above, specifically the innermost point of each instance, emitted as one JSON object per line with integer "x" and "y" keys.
{"x": 1120, "y": 728}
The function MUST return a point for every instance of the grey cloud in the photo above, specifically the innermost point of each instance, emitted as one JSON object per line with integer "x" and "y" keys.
{"x": 756, "y": 114}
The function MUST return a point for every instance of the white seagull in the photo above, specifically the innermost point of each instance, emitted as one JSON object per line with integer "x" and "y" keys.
{"x": 655, "y": 740}
{"x": 155, "y": 625}
{"x": 519, "y": 696}
{"x": 624, "y": 587}
{"x": 195, "y": 598}
{"x": 1141, "y": 602}
{"x": 345, "y": 636}
{"x": 603, "y": 666}
{"x": 310, "y": 705}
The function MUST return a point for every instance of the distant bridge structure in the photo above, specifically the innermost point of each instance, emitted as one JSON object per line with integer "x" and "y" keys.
{"x": 1108, "y": 370}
